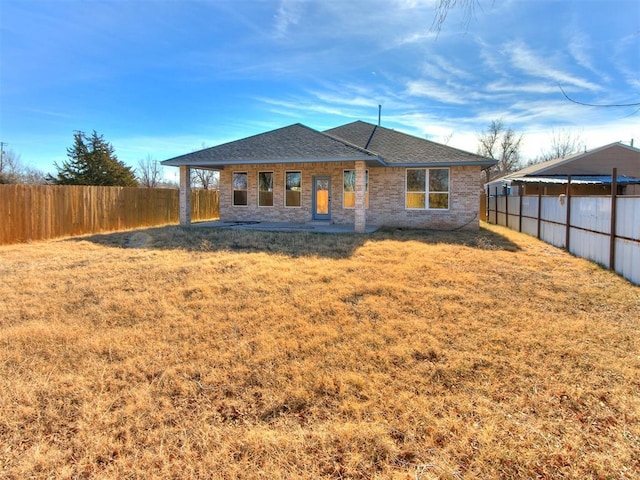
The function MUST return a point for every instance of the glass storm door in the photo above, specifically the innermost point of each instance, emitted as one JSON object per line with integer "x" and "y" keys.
{"x": 321, "y": 198}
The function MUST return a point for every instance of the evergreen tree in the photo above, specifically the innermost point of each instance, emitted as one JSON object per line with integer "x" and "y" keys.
{"x": 92, "y": 161}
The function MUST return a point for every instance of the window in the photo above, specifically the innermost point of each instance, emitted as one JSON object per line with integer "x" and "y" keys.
{"x": 240, "y": 188}
{"x": 427, "y": 188}
{"x": 349, "y": 189}
{"x": 293, "y": 189}
{"x": 265, "y": 189}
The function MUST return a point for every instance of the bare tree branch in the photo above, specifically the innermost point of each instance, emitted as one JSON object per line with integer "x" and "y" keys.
{"x": 502, "y": 144}
{"x": 149, "y": 172}
{"x": 12, "y": 170}
{"x": 206, "y": 179}
{"x": 445, "y": 6}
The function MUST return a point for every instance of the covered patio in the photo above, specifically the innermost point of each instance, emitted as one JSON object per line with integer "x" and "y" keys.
{"x": 281, "y": 178}
{"x": 342, "y": 179}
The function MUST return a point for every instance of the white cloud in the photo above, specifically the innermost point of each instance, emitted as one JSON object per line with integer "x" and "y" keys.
{"x": 534, "y": 65}
{"x": 625, "y": 59}
{"x": 303, "y": 107}
{"x": 518, "y": 87}
{"x": 289, "y": 13}
{"x": 580, "y": 47}
{"x": 449, "y": 69}
{"x": 413, "y": 4}
{"x": 415, "y": 37}
{"x": 436, "y": 91}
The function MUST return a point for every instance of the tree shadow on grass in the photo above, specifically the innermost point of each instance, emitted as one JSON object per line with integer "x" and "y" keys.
{"x": 290, "y": 243}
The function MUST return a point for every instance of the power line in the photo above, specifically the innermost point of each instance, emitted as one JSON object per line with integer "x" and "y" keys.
{"x": 597, "y": 105}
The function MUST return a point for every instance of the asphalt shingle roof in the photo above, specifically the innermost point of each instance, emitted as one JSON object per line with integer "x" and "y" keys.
{"x": 401, "y": 149}
{"x": 295, "y": 143}
{"x": 354, "y": 141}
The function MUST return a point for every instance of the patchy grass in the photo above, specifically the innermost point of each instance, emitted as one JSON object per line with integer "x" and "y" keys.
{"x": 251, "y": 355}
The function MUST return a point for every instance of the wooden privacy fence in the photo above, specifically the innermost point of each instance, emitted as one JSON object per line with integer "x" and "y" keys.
{"x": 483, "y": 207}
{"x": 603, "y": 229}
{"x": 39, "y": 212}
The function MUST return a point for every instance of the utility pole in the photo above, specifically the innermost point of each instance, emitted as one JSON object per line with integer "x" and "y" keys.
{"x": 2, "y": 144}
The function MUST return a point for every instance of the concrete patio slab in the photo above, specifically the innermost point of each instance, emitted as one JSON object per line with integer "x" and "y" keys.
{"x": 315, "y": 226}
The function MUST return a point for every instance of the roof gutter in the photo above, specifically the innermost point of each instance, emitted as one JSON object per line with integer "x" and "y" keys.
{"x": 177, "y": 162}
{"x": 443, "y": 164}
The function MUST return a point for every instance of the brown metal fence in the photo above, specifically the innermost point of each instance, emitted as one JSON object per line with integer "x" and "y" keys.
{"x": 39, "y": 212}
{"x": 601, "y": 228}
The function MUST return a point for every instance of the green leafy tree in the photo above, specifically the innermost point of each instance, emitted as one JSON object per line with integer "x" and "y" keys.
{"x": 92, "y": 161}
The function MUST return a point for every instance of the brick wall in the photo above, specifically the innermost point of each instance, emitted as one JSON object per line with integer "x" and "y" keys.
{"x": 387, "y": 200}
{"x": 386, "y": 197}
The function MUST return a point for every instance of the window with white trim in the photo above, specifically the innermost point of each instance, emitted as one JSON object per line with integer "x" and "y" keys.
{"x": 293, "y": 189}
{"x": 427, "y": 189}
{"x": 349, "y": 189}
{"x": 265, "y": 189}
{"x": 240, "y": 184}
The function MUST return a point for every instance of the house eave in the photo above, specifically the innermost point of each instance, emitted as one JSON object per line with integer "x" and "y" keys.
{"x": 442, "y": 164}
{"x": 219, "y": 165}
{"x": 371, "y": 162}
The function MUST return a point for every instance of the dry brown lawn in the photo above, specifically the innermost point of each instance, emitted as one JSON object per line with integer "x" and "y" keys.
{"x": 171, "y": 353}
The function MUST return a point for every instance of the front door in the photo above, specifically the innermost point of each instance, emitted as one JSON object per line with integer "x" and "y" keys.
{"x": 321, "y": 198}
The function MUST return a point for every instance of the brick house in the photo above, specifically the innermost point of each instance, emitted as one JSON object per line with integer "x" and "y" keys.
{"x": 356, "y": 174}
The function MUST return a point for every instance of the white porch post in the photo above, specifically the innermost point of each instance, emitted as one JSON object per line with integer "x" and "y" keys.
{"x": 360, "y": 211}
{"x": 185, "y": 195}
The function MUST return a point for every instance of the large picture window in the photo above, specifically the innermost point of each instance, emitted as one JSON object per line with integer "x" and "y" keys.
{"x": 427, "y": 188}
{"x": 240, "y": 189}
{"x": 265, "y": 189}
{"x": 293, "y": 189}
{"x": 349, "y": 189}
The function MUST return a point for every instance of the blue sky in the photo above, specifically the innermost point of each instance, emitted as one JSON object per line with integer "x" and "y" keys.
{"x": 163, "y": 78}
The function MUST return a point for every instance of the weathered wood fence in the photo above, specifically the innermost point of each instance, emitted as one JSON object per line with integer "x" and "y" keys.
{"x": 603, "y": 229}
{"x": 39, "y": 212}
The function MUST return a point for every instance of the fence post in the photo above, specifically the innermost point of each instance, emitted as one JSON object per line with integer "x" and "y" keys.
{"x": 568, "y": 226}
{"x": 505, "y": 191}
{"x": 539, "y": 207}
{"x": 520, "y": 209}
{"x": 612, "y": 244}
{"x": 495, "y": 213}
{"x": 497, "y": 208}
{"x": 487, "y": 207}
